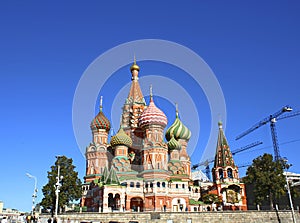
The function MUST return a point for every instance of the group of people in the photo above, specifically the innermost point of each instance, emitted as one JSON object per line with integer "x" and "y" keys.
{"x": 31, "y": 219}
{"x": 50, "y": 220}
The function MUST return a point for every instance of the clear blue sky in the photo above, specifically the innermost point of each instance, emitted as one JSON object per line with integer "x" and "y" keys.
{"x": 251, "y": 46}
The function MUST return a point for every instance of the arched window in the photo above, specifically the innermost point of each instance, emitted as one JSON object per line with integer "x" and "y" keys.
{"x": 151, "y": 184}
{"x": 131, "y": 184}
{"x": 229, "y": 173}
{"x": 220, "y": 174}
{"x": 176, "y": 185}
{"x": 138, "y": 185}
{"x": 124, "y": 184}
{"x": 158, "y": 184}
{"x": 183, "y": 186}
{"x": 163, "y": 184}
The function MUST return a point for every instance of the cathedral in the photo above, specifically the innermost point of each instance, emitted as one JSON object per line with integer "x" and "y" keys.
{"x": 137, "y": 170}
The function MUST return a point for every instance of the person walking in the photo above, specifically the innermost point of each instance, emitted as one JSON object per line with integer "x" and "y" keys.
{"x": 4, "y": 220}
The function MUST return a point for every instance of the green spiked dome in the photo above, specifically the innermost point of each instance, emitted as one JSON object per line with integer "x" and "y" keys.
{"x": 121, "y": 138}
{"x": 178, "y": 130}
{"x": 100, "y": 121}
{"x": 173, "y": 144}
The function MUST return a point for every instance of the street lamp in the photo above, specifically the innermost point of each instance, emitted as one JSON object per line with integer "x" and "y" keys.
{"x": 34, "y": 192}
{"x": 287, "y": 166}
{"x": 57, "y": 186}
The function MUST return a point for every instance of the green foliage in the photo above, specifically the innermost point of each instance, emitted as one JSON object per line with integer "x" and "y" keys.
{"x": 210, "y": 198}
{"x": 267, "y": 177}
{"x": 70, "y": 189}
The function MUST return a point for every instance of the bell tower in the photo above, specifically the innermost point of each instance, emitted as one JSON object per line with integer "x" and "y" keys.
{"x": 224, "y": 168}
{"x": 96, "y": 152}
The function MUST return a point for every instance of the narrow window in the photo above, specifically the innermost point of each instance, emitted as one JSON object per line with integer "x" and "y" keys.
{"x": 220, "y": 174}
{"x": 229, "y": 173}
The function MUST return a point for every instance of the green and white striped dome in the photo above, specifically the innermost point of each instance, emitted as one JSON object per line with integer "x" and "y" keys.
{"x": 178, "y": 130}
{"x": 173, "y": 144}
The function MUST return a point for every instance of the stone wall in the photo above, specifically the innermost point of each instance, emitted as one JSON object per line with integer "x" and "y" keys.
{"x": 181, "y": 217}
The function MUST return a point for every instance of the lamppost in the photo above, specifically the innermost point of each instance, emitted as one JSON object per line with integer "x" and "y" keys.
{"x": 34, "y": 192}
{"x": 57, "y": 185}
{"x": 287, "y": 166}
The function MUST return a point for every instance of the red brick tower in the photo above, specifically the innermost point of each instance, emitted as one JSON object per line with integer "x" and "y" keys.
{"x": 226, "y": 177}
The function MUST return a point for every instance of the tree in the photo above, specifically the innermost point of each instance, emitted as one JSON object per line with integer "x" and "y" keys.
{"x": 211, "y": 198}
{"x": 70, "y": 189}
{"x": 267, "y": 178}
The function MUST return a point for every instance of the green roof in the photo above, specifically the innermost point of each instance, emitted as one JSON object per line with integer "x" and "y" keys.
{"x": 112, "y": 177}
{"x": 194, "y": 202}
{"x": 104, "y": 174}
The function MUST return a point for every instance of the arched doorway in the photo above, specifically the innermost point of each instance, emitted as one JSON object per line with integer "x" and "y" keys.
{"x": 114, "y": 201}
{"x": 178, "y": 205}
{"x": 136, "y": 204}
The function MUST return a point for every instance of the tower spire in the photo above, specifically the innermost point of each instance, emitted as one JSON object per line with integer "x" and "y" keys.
{"x": 151, "y": 93}
{"x": 101, "y": 99}
{"x": 176, "y": 106}
{"x": 134, "y": 59}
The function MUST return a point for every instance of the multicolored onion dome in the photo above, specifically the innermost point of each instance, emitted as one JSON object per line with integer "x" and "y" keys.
{"x": 100, "y": 122}
{"x": 153, "y": 116}
{"x": 173, "y": 144}
{"x": 178, "y": 130}
{"x": 121, "y": 138}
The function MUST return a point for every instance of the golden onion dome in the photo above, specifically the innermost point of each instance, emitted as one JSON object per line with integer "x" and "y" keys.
{"x": 121, "y": 138}
{"x": 134, "y": 66}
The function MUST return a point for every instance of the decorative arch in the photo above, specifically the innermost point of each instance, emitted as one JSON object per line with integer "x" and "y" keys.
{"x": 230, "y": 173}
{"x": 114, "y": 201}
{"x": 136, "y": 204}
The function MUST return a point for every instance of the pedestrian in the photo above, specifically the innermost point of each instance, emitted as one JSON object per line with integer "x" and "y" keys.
{"x": 49, "y": 220}
{"x": 54, "y": 220}
{"x": 4, "y": 220}
{"x": 28, "y": 218}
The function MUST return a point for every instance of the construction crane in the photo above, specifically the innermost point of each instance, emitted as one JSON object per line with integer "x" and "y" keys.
{"x": 272, "y": 119}
{"x": 208, "y": 161}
